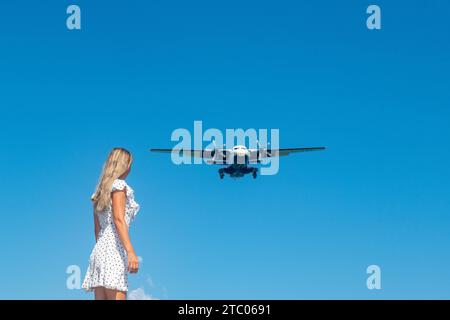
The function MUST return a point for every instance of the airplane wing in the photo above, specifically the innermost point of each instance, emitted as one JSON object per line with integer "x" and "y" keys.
{"x": 256, "y": 154}
{"x": 286, "y": 152}
{"x": 190, "y": 152}
{"x": 213, "y": 156}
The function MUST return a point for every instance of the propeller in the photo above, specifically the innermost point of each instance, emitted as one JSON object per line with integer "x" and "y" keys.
{"x": 258, "y": 160}
{"x": 269, "y": 150}
{"x": 213, "y": 153}
{"x": 224, "y": 154}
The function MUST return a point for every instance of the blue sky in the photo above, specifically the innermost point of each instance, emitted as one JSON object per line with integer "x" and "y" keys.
{"x": 378, "y": 100}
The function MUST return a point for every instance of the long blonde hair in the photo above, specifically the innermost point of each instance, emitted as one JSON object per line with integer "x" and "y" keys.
{"x": 118, "y": 163}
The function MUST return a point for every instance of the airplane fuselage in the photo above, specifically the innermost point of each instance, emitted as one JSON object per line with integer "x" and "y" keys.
{"x": 238, "y": 171}
{"x": 239, "y": 166}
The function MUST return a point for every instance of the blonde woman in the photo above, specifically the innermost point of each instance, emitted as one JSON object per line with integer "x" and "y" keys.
{"x": 113, "y": 256}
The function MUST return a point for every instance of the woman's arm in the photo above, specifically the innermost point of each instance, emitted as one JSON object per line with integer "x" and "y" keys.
{"x": 118, "y": 207}
{"x": 96, "y": 226}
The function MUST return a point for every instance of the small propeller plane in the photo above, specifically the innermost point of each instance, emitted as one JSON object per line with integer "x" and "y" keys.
{"x": 238, "y": 158}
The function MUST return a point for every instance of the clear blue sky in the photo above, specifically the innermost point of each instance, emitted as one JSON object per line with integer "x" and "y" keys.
{"x": 379, "y": 100}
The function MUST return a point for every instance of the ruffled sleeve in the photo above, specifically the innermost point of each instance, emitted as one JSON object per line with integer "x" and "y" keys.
{"x": 118, "y": 185}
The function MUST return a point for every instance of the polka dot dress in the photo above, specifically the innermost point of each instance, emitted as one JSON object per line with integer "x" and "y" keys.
{"x": 108, "y": 261}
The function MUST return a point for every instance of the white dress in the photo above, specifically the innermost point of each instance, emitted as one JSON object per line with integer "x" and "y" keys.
{"x": 108, "y": 261}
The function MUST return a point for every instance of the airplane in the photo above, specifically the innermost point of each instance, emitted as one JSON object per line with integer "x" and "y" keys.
{"x": 238, "y": 158}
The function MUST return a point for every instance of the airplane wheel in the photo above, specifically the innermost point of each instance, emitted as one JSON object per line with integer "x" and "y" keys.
{"x": 254, "y": 174}
{"x": 221, "y": 176}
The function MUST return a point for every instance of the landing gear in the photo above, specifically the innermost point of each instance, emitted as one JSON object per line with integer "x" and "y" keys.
{"x": 221, "y": 174}
{"x": 254, "y": 174}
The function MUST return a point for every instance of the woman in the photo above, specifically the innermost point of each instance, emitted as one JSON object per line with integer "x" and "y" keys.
{"x": 113, "y": 255}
